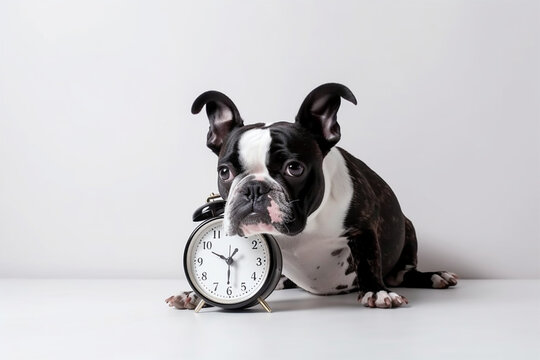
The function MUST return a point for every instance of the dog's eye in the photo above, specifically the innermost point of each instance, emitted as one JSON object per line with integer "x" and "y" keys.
{"x": 224, "y": 173}
{"x": 294, "y": 168}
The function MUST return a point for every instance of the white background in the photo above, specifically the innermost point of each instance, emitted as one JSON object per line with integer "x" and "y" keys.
{"x": 102, "y": 164}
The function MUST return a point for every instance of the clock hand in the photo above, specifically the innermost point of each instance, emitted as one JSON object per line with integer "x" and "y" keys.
{"x": 229, "y": 262}
{"x": 230, "y": 259}
{"x": 220, "y": 256}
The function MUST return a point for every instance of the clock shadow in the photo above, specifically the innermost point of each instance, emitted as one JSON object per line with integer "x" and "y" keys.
{"x": 298, "y": 301}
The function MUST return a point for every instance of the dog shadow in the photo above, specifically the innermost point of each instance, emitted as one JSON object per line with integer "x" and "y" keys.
{"x": 309, "y": 302}
{"x": 296, "y": 303}
{"x": 314, "y": 302}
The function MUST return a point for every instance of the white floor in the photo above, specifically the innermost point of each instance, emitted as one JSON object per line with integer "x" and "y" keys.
{"x": 128, "y": 319}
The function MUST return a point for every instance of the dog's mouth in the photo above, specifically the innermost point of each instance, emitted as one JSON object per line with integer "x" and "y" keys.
{"x": 255, "y": 223}
{"x": 252, "y": 218}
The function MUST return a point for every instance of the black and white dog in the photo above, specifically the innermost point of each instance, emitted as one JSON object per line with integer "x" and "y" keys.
{"x": 339, "y": 225}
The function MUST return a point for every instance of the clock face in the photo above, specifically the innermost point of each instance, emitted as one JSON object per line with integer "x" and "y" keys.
{"x": 227, "y": 269}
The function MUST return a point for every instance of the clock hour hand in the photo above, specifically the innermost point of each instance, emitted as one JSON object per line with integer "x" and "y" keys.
{"x": 220, "y": 256}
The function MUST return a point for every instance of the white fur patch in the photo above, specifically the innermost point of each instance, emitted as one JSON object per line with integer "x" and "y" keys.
{"x": 307, "y": 257}
{"x": 259, "y": 228}
{"x": 397, "y": 300}
{"x": 275, "y": 213}
{"x": 365, "y": 298}
{"x": 383, "y": 299}
{"x": 450, "y": 278}
{"x": 329, "y": 217}
{"x": 438, "y": 282}
{"x": 253, "y": 149}
{"x": 185, "y": 300}
{"x": 444, "y": 280}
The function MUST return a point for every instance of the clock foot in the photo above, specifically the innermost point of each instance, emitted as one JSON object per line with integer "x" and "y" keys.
{"x": 264, "y": 304}
{"x": 199, "y": 306}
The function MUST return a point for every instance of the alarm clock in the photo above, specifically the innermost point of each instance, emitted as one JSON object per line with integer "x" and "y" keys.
{"x": 229, "y": 271}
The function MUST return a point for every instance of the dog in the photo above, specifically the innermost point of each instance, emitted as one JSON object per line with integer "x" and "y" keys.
{"x": 338, "y": 224}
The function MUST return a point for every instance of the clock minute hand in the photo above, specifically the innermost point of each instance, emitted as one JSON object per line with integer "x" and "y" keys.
{"x": 229, "y": 262}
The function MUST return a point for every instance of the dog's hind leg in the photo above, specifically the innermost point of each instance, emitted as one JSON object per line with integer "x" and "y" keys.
{"x": 405, "y": 272}
{"x": 430, "y": 279}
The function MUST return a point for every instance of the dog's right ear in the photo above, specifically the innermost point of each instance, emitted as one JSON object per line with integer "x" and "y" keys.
{"x": 222, "y": 114}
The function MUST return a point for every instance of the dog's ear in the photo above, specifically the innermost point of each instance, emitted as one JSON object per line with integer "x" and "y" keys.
{"x": 318, "y": 113}
{"x": 222, "y": 114}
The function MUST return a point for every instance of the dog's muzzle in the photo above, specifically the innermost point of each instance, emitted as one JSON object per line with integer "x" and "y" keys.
{"x": 256, "y": 207}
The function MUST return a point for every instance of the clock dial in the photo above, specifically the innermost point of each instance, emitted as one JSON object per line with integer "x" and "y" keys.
{"x": 227, "y": 269}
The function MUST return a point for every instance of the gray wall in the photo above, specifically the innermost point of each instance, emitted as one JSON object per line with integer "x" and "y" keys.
{"x": 101, "y": 162}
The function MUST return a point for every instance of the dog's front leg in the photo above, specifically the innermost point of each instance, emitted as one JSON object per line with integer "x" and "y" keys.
{"x": 366, "y": 254}
{"x": 185, "y": 300}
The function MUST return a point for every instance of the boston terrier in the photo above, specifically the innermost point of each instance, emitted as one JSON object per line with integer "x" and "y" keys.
{"x": 339, "y": 225}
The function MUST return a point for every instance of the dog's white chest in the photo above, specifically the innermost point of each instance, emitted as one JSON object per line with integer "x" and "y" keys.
{"x": 318, "y": 259}
{"x": 320, "y": 265}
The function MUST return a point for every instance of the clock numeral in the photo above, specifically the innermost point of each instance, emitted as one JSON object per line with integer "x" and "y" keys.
{"x": 200, "y": 261}
{"x": 217, "y": 234}
{"x": 243, "y": 286}
{"x": 259, "y": 261}
{"x": 254, "y": 243}
{"x": 229, "y": 290}
{"x": 254, "y": 276}
{"x": 216, "y": 283}
{"x": 204, "y": 276}
{"x": 207, "y": 245}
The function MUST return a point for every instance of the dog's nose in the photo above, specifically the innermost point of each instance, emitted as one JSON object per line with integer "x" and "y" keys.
{"x": 254, "y": 190}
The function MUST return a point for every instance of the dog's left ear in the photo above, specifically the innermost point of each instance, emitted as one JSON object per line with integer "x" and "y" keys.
{"x": 318, "y": 113}
{"x": 222, "y": 115}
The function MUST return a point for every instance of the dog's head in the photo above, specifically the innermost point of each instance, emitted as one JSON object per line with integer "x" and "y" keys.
{"x": 272, "y": 175}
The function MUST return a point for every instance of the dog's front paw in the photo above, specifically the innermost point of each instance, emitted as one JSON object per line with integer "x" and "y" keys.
{"x": 186, "y": 300}
{"x": 381, "y": 299}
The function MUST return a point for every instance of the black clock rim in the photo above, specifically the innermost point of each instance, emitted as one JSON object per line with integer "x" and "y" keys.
{"x": 267, "y": 288}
